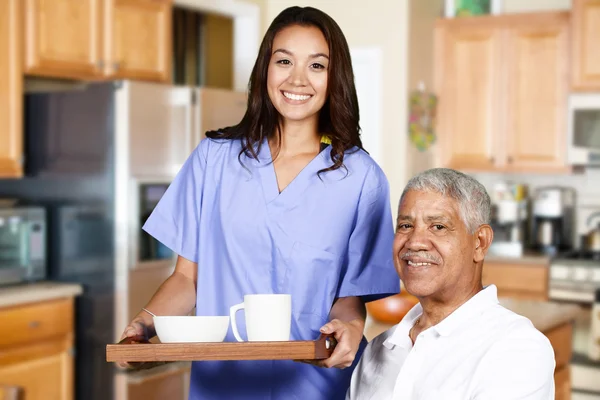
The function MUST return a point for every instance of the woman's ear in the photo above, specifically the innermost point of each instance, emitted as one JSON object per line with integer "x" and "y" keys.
{"x": 483, "y": 239}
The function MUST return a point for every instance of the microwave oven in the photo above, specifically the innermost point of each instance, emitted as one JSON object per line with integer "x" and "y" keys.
{"x": 584, "y": 129}
{"x": 22, "y": 244}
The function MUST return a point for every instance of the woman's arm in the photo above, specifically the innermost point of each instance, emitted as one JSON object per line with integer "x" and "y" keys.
{"x": 176, "y": 296}
{"x": 347, "y": 324}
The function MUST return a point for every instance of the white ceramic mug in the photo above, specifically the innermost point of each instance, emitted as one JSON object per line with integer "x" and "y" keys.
{"x": 268, "y": 317}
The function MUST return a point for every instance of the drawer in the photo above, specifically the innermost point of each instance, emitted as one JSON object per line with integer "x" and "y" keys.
{"x": 561, "y": 339}
{"x": 516, "y": 277}
{"x": 35, "y": 322}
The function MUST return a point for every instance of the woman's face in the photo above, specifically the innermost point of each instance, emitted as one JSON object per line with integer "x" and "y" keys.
{"x": 297, "y": 74}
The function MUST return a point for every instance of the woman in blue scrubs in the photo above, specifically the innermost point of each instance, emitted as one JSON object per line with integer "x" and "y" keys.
{"x": 287, "y": 201}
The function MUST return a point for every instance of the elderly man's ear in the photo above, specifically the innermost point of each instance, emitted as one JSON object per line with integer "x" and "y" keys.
{"x": 483, "y": 239}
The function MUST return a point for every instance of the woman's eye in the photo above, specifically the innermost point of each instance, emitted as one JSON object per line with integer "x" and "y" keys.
{"x": 318, "y": 66}
{"x": 284, "y": 62}
{"x": 439, "y": 227}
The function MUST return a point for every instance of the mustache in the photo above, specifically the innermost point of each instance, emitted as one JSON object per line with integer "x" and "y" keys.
{"x": 421, "y": 254}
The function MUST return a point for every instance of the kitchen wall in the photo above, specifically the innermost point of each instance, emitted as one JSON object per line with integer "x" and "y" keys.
{"x": 586, "y": 183}
{"x": 422, "y": 17}
{"x": 515, "y": 6}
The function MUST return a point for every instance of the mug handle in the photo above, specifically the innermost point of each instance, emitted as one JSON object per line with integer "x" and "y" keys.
{"x": 232, "y": 311}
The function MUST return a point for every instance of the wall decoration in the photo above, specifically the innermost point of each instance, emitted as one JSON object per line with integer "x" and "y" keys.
{"x": 422, "y": 115}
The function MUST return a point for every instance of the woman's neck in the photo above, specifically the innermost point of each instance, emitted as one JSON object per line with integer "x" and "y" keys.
{"x": 297, "y": 137}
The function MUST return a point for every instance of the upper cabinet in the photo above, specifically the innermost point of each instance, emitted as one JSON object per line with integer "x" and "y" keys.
{"x": 537, "y": 85}
{"x": 98, "y": 39}
{"x": 11, "y": 90}
{"x": 467, "y": 72}
{"x": 140, "y": 47}
{"x": 586, "y": 42}
{"x": 63, "y": 38}
{"x": 502, "y": 83}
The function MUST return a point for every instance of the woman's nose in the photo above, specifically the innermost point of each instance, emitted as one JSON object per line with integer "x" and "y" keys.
{"x": 297, "y": 77}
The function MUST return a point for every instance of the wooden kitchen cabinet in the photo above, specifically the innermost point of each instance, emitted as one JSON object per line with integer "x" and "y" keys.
{"x": 141, "y": 40}
{"x": 502, "y": 83}
{"x": 98, "y": 39}
{"x": 586, "y": 42}
{"x": 11, "y": 90}
{"x": 517, "y": 279}
{"x": 63, "y": 38}
{"x": 36, "y": 349}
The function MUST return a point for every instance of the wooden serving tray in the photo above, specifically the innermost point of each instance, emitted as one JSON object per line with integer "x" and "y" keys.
{"x": 131, "y": 350}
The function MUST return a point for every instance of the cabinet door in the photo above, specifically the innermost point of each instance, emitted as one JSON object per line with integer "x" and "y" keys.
{"x": 586, "y": 42}
{"x": 63, "y": 38}
{"x": 11, "y": 91}
{"x": 562, "y": 384}
{"x": 140, "y": 44}
{"x": 467, "y": 74}
{"x": 537, "y": 89}
{"x": 46, "y": 378}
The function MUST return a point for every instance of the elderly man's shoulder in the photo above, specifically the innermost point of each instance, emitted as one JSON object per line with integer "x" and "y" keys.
{"x": 511, "y": 333}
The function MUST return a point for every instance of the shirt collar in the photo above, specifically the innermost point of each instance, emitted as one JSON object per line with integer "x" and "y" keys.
{"x": 487, "y": 297}
{"x": 400, "y": 335}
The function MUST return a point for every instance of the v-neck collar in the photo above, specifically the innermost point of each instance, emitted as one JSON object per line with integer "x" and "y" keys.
{"x": 297, "y": 186}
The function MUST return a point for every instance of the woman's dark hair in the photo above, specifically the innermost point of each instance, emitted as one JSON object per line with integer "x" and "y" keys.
{"x": 339, "y": 117}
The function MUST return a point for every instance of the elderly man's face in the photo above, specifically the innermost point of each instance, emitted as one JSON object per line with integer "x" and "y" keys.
{"x": 433, "y": 250}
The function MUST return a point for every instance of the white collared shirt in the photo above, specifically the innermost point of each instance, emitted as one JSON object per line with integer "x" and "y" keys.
{"x": 481, "y": 351}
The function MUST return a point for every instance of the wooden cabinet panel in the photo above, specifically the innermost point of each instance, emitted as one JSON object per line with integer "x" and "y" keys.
{"x": 48, "y": 378}
{"x": 11, "y": 90}
{"x": 140, "y": 45}
{"x": 63, "y": 38}
{"x": 562, "y": 343}
{"x": 98, "y": 39}
{"x": 517, "y": 280}
{"x": 467, "y": 74}
{"x": 562, "y": 384}
{"x": 502, "y": 83}
{"x": 537, "y": 93}
{"x": 586, "y": 41}
{"x": 30, "y": 323}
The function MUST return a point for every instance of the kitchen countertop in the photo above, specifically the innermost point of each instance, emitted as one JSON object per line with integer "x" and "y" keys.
{"x": 544, "y": 315}
{"x": 530, "y": 258}
{"x": 35, "y": 292}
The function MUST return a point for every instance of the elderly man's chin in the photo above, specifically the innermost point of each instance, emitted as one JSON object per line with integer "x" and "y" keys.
{"x": 420, "y": 282}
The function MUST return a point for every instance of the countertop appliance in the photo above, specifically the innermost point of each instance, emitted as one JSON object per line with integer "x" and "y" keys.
{"x": 553, "y": 219}
{"x": 22, "y": 243}
{"x": 583, "y": 131}
{"x": 574, "y": 278}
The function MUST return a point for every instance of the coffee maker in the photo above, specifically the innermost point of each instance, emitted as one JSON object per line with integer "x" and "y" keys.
{"x": 553, "y": 219}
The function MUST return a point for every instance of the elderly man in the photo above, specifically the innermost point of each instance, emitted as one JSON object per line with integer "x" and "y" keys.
{"x": 458, "y": 342}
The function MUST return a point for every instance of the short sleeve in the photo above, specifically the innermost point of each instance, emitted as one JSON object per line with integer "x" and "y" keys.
{"x": 519, "y": 367}
{"x": 369, "y": 268}
{"x": 175, "y": 220}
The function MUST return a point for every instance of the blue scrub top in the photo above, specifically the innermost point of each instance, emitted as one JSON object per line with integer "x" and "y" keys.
{"x": 317, "y": 240}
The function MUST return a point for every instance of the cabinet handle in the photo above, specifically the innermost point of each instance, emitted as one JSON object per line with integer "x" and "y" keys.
{"x": 510, "y": 160}
{"x": 34, "y": 324}
{"x": 100, "y": 64}
{"x": 116, "y": 66}
{"x": 492, "y": 160}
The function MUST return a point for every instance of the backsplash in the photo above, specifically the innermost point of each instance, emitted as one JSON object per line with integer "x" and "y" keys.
{"x": 587, "y": 185}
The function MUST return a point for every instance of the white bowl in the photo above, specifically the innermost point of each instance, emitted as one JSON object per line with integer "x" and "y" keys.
{"x": 190, "y": 329}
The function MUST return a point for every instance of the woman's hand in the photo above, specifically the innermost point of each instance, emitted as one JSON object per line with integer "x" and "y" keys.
{"x": 348, "y": 336}
{"x": 138, "y": 331}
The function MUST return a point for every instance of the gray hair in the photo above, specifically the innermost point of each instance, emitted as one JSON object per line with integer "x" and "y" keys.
{"x": 473, "y": 200}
